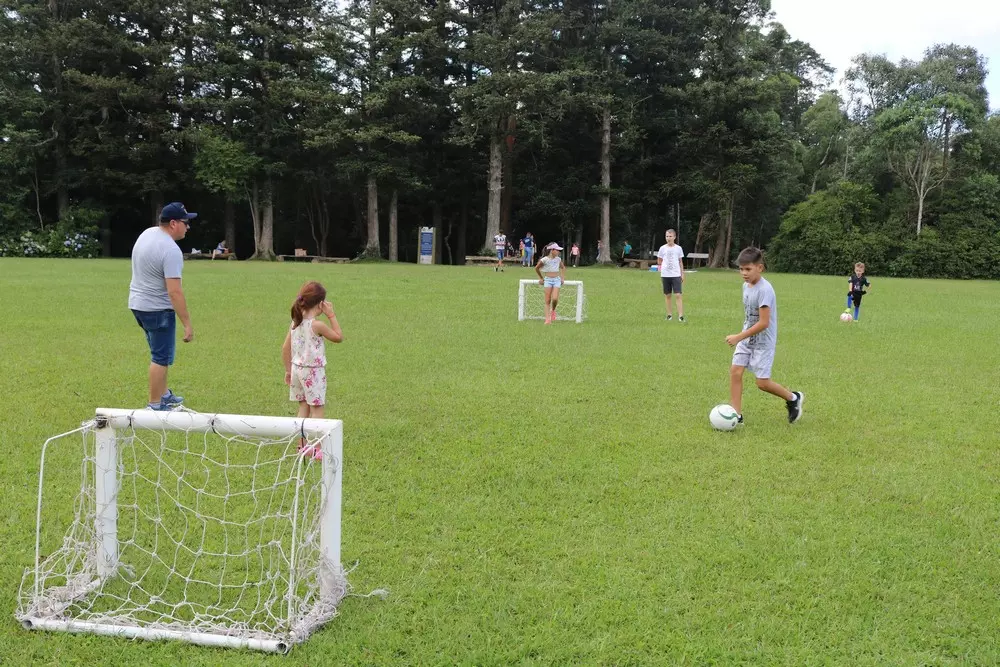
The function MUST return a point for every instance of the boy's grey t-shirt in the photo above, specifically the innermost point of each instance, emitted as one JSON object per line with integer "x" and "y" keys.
{"x": 755, "y": 296}
{"x": 155, "y": 257}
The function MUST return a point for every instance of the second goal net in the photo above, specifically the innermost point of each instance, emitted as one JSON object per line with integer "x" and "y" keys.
{"x": 531, "y": 301}
{"x": 222, "y": 530}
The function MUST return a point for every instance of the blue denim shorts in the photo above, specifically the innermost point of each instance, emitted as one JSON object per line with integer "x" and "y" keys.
{"x": 160, "y": 327}
{"x": 500, "y": 254}
{"x": 553, "y": 282}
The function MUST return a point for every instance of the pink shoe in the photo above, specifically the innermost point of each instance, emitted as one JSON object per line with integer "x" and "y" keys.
{"x": 311, "y": 450}
{"x": 553, "y": 316}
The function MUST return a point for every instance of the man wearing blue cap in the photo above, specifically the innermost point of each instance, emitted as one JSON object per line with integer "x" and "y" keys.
{"x": 156, "y": 299}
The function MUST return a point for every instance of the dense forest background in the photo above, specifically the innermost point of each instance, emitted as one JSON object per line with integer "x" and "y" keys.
{"x": 344, "y": 127}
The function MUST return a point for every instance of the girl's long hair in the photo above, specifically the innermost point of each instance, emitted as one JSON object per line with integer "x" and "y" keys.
{"x": 311, "y": 295}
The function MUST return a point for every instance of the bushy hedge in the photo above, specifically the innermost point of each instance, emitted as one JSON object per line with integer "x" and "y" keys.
{"x": 76, "y": 236}
{"x": 833, "y": 229}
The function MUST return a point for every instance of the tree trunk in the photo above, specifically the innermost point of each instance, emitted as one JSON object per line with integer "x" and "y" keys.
{"x": 729, "y": 230}
{"x": 493, "y": 208}
{"x": 262, "y": 213}
{"x": 720, "y": 252}
{"x": 372, "y": 248}
{"x": 702, "y": 228}
{"x": 229, "y": 224}
{"x": 463, "y": 226}
{"x": 447, "y": 241}
{"x": 507, "y": 196}
{"x": 155, "y": 205}
{"x": 947, "y": 143}
{"x": 437, "y": 222}
{"x": 605, "y": 256}
{"x": 393, "y": 226}
{"x": 920, "y": 210}
{"x": 265, "y": 240}
{"x": 61, "y": 175}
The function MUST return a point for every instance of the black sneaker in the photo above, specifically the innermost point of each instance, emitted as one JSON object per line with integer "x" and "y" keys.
{"x": 739, "y": 420}
{"x": 795, "y": 407}
{"x": 669, "y": 317}
{"x": 682, "y": 319}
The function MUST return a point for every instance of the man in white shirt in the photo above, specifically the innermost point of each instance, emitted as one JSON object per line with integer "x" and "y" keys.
{"x": 672, "y": 274}
{"x": 500, "y": 241}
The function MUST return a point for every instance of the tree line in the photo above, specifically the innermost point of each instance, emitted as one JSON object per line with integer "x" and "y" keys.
{"x": 344, "y": 127}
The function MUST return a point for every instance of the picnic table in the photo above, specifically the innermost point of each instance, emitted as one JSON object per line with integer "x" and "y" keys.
{"x": 315, "y": 259}
{"x": 208, "y": 255}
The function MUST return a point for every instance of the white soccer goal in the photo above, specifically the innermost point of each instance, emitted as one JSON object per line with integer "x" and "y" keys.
{"x": 531, "y": 301}
{"x": 212, "y": 529}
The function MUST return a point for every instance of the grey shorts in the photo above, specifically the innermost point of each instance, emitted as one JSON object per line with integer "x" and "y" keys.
{"x": 671, "y": 285}
{"x": 758, "y": 360}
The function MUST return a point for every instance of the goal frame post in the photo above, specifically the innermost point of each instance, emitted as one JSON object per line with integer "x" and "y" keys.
{"x": 525, "y": 283}
{"x": 106, "y": 424}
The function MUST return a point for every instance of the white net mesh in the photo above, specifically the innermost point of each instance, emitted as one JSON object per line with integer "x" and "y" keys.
{"x": 572, "y": 306}
{"x": 216, "y": 534}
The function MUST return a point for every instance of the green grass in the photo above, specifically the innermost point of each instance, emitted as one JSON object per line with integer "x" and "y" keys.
{"x": 554, "y": 495}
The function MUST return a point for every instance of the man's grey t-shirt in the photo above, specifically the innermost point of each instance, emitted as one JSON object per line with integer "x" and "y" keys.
{"x": 755, "y": 296}
{"x": 155, "y": 257}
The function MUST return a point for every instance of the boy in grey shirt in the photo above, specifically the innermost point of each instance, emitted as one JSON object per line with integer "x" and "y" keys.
{"x": 755, "y": 345}
{"x": 156, "y": 298}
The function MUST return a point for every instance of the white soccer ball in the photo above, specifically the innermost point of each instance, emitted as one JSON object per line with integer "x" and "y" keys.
{"x": 723, "y": 417}
{"x": 845, "y": 317}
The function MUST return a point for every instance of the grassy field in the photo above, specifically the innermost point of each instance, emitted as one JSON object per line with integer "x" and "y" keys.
{"x": 555, "y": 495}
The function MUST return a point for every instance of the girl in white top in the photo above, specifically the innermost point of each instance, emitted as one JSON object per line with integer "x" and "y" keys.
{"x": 551, "y": 272}
{"x": 304, "y": 352}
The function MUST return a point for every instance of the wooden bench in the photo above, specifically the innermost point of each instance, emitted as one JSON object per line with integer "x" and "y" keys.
{"x": 483, "y": 259}
{"x": 696, "y": 256}
{"x": 641, "y": 264}
{"x": 208, "y": 255}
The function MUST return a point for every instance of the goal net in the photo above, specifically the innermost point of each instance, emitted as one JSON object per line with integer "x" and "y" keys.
{"x": 572, "y": 305}
{"x": 220, "y": 530}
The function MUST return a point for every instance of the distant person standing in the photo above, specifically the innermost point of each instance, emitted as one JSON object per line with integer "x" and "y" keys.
{"x": 529, "y": 249}
{"x": 672, "y": 274}
{"x": 156, "y": 298}
{"x": 574, "y": 253}
{"x": 599, "y": 246}
{"x": 500, "y": 242}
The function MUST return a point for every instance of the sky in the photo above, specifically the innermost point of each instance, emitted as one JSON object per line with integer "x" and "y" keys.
{"x": 898, "y": 28}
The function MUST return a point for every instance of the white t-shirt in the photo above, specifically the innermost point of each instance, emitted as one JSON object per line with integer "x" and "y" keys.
{"x": 500, "y": 241}
{"x": 671, "y": 256}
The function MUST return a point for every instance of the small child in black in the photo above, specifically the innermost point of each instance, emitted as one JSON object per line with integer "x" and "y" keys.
{"x": 858, "y": 282}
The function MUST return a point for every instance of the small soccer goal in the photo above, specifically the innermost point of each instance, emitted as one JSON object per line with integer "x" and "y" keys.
{"x": 531, "y": 301}
{"x": 221, "y": 530}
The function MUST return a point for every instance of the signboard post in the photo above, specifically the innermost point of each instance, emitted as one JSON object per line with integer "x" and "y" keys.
{"x": 428, "y": 243}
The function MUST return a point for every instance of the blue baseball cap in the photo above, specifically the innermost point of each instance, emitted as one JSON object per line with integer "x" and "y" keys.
{"x": 176, "y": 211}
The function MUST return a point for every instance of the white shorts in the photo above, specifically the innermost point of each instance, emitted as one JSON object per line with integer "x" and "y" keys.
{"x": 758, "y": 360}
{"x": 308, "y": 384}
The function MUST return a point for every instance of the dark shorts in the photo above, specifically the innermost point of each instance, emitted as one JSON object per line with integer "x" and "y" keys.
{"x": 671, "y": 285}
{"x": 856, "y": 298}
{"x": 160, "y": 327}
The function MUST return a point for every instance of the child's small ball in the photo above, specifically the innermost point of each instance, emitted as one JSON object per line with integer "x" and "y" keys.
{"x": 845, "y": 317}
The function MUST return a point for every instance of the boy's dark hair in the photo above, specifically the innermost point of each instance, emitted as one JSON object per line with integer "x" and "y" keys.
{"x": 750, "y": 255}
